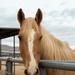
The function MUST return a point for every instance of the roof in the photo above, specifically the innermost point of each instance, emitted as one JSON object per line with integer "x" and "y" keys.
{"x": 8, "y": 32}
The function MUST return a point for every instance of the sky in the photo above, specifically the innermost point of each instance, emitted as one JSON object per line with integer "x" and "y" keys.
{"x": 58, "y": 17}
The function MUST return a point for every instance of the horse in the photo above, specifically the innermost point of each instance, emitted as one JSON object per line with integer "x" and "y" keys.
{"x": 36, "y": 44}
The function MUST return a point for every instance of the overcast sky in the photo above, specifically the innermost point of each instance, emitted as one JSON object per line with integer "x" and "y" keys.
{"x": 58, "y": 16}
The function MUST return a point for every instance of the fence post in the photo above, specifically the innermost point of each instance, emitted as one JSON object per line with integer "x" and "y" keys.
{"x": 9, "y": 67}
{"x": 0, "y": 53}
{"x": 42, "y": 71}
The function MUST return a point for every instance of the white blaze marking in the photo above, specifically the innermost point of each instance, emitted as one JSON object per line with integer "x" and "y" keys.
{"x": 32, "y": 64}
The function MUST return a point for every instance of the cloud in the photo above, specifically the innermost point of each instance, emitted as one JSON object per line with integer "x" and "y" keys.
{"x": 61, "y": 24}
{"x": 64, "y": 18}
{"x": 58, "y": 15}
{"x": 69, "y": 12}
{"x": 8, "y": 19}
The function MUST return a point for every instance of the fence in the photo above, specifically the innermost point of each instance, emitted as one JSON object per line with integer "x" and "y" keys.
{"x": 56, "y": 64}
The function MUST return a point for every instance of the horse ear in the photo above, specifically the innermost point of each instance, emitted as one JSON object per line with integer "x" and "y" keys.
{"x": 20, "y": 16}
{"x": 38, "y": 17}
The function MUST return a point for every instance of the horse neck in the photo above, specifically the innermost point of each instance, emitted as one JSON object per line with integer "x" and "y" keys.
{"x": 52, "y": 48}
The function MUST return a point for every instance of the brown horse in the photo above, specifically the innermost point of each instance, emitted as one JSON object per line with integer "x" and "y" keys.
{"x": 36, "y": 43}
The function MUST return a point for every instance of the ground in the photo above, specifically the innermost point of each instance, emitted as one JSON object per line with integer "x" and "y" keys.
{"x": 19, "y": 70}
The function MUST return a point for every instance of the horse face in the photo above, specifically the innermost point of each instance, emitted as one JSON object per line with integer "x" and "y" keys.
{"x": 30, "y": 41}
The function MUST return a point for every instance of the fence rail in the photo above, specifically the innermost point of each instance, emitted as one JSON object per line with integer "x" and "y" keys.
{"x": 54, "y": 64}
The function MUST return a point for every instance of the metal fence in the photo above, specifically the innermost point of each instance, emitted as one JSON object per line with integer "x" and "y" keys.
{"x": 54, "y": 64}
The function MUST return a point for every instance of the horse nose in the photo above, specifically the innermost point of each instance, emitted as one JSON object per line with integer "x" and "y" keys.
{"x": 37, "y": 71}
{"x": 25, "y": 72}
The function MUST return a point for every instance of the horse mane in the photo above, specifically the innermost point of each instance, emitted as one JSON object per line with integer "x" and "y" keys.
{"x": 54, "y": 49}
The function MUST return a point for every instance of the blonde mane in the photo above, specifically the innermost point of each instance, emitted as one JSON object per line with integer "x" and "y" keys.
{"x": 55, "y": 49}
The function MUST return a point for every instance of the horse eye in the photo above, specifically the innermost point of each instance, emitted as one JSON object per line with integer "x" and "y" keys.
{"x": 40, "y": 37}
{"x": 19, "y": 37}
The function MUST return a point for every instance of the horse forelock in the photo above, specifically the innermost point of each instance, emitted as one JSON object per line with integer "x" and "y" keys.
{"x": 27, "y": 26}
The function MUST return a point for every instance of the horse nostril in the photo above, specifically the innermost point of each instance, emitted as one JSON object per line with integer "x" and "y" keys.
{"x": 25, "y": 72}
{"x": 37, "y": 71}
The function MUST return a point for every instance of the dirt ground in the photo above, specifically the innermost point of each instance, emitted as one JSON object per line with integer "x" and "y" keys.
{"x": 19, "y": 69}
